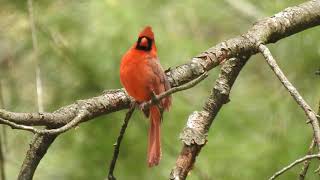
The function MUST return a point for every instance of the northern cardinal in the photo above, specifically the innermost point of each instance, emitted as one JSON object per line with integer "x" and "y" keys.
{"x": 142, "y": 76}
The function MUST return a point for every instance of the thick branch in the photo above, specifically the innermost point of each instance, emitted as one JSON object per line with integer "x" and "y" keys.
{"x": 110, "y": 101}
{"x": 38, "y": 148}
{"x": 194, "y": 135}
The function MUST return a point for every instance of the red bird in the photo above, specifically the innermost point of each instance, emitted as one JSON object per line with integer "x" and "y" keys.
{"x": 142, "y": 76}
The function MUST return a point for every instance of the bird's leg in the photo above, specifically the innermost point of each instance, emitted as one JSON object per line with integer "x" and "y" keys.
{"x": 134, "y": 103}
{"x": 157, "y": 102}
{"x": 142, "y": 106}
{"x": 154, "y": 100}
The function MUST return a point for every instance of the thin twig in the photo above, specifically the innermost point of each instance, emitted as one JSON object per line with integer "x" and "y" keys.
{"x": 18, "y": 126}
{"x": 317, "y": 170}
{"x": 36, "y": 54}
{"x": 118, "y": 143}
{"x": 311, "y": 115}
{"x": 306, "y": 163}
{"x": 307, "y": 157}
{"x": 175, "y": 89}
{"x": 80, "y": 116}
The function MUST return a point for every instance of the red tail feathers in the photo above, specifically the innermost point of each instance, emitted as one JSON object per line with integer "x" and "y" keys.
{"x": 154, "y": 146}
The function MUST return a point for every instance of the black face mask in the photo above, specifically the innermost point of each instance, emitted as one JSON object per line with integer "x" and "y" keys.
{"x": 144, "y": 48}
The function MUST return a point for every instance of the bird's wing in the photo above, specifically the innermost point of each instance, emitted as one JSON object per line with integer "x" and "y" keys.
{"x": 160, "y": 82}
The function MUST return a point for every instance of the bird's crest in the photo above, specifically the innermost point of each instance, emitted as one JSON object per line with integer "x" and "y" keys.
{"x": 147, "y": 32}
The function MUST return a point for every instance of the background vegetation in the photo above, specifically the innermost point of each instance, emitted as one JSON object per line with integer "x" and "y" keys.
{"x": 80, "y": 46}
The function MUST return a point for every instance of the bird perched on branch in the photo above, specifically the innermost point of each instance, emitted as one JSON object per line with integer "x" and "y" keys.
{"x": 143, "y": 77}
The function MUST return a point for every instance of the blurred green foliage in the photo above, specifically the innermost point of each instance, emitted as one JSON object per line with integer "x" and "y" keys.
{"x": 81, "y": 43}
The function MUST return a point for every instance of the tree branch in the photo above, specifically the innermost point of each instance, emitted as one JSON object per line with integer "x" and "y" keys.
{"x": 306, "y": 163}
{"x": 38, "y": 148}
{"x": 18, "y": 126}
{"x": 110, "y": 101}
{"x": 293, "y": 164}
{"x": 311, "y": 115}
{"x": 195, "y": 133}
{"x": 118, "y": 143}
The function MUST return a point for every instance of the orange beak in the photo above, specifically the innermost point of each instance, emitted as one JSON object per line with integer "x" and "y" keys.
{"x": 144, "y": 42}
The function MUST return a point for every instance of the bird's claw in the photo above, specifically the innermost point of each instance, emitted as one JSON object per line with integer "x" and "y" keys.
{"x": 142, "y": 106}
